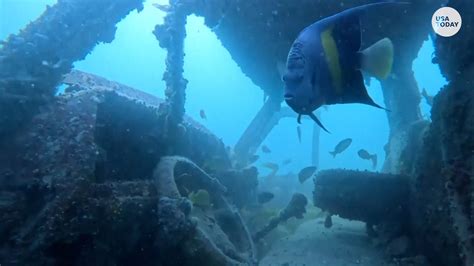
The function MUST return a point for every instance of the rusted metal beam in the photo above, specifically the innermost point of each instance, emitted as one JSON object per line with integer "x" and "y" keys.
{"x": 315, "y": 144}
{"x": 258, "y": 129}
{"x": 171, "y": 35}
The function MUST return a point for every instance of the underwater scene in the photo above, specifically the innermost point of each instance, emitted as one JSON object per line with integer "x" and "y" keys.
{"x": 237, "y": 132}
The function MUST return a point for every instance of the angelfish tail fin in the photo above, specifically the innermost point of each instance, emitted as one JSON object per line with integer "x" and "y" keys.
{"x": 333, "y": 153}
{"x": 377, "y": 60}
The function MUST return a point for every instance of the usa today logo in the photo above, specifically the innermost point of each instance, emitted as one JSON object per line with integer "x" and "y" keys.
{"x": 446, "y": 21}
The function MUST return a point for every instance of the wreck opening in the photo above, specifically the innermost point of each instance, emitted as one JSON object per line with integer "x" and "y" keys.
{"x": 133, "y": 58}
{"x": 434, "y": 81}
{"x": 213, "y": 74}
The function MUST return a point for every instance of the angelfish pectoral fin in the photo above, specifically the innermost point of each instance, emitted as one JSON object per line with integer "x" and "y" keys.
{"x": 315, "y": 119}
{"x": 299, "y": 119}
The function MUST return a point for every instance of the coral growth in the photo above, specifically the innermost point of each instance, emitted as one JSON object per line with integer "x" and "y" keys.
{"x": 171, "y": 35}
{"x": 364, "y": 196}
{"x": 67, "y": 193}
{"x": 444, "y": 187}
{"x": 444, "y": 180}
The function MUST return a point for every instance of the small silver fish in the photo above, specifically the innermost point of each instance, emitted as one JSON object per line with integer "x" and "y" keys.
{"x": 41, "y": 36}
{"x": 265, "y": 149}
{"x": 164, "y": 8}
{"x": 306, "y": 173}
{"x": 202, "y": 114}
{"x": 253, "y": 159}
{"x": 367, "y": 156}
{"x": 272, "y": 174}
{"x": 264, "y": 197}
{"x": 271, "y": 166}
{"x": 341, "y": 146}
{"x": 428, "y": 98}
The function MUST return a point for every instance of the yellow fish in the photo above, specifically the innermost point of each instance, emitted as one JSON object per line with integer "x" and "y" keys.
{"x": 200, "y": 198}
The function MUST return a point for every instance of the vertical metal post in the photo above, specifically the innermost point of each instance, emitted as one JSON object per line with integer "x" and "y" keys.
{"x": 171, "y": 35}
{"x": 315, "y": 143}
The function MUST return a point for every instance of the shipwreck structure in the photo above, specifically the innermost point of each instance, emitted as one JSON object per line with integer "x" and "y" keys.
{"x": 67, "y": 192}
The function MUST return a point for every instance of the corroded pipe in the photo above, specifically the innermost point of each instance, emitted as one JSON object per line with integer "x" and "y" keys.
{"x": 171, "y": 35}
{"x": 262, "y": 124}
{"x": 295, "y": 208}
{"x": 361, "y": 195}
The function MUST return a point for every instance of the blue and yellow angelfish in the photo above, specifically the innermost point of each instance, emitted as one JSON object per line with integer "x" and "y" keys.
{"x": 325, "y": 62}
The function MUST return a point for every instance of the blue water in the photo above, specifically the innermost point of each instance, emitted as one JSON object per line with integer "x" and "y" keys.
{"x": 229, "y": 98}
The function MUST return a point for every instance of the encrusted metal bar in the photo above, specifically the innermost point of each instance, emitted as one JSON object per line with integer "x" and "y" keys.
{"x": 295, "y": 208}
{"x": 361, "y": 195}
{"x": 258, "y": 129}
{"x": 315, "y": 145}
{"x": 171, "y": 35}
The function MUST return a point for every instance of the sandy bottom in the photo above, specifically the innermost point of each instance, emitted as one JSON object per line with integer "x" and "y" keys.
{"x": 344, "y": 244}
